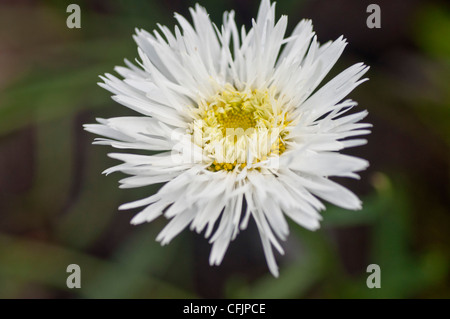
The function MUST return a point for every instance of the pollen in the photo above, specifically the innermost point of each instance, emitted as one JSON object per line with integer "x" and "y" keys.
{"x": 234, "y": 123}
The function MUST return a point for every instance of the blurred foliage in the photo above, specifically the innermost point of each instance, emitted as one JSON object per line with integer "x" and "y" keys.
{"x": 65, "y": 211}
{"x": 432, "y": 30}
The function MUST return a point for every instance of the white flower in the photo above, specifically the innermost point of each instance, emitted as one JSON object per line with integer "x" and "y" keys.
{"x": 240, "y": 128}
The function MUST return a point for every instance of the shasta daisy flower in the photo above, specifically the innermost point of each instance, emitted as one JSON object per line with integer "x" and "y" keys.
{"x": 236, "y": 127}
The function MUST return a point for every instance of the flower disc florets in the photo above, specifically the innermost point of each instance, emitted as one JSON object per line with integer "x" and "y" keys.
{"x": 233, "y": 124}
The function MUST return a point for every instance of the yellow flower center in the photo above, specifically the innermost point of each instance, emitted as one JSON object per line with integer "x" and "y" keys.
{"x": 233, "y": 127}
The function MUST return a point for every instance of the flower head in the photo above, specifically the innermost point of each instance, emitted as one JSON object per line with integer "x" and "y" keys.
{"x": 240, "y": 128}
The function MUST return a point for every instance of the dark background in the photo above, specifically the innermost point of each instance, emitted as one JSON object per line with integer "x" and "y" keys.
{"x": 57, "y": 209}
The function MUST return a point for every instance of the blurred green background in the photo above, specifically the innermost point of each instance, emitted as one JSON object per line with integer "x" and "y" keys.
{"x": 57, "y": 209}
